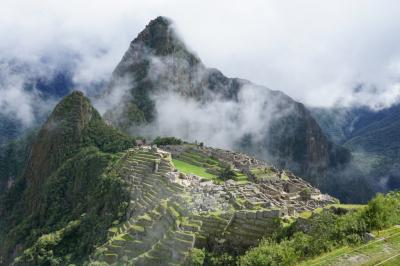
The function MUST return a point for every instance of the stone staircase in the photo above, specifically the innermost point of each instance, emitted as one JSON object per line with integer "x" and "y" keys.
{"x": 158, "y": 230}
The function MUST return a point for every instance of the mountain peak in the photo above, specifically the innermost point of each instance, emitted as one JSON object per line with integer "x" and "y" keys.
{"x": 160, "y": 20}
{"x": 73, "y": 125}
{"x": 60, "y": 135}
{"x": 161, "y": 37}
{"x": 75, "y": 103}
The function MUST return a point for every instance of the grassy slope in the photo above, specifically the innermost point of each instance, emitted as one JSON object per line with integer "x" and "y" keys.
{"x": 193, "y": 169}
{"x": 386, "y": 246}
{"x": 191, "y": 162}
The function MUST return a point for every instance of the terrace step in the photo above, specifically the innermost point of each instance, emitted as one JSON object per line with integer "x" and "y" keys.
{"x": 156, "y": 232}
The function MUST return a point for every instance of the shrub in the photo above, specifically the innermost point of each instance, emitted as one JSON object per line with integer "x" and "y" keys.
{"x": 227, "y": 173}
{"x": 382, "y": 211}
{"x": 219, "y": 259}
{"x": 196, "y": 257}
{"x": 270, "y": 253}
{"x": 324, "y": 231}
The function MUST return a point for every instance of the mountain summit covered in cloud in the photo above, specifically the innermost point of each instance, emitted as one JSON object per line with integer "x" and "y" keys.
{"x": 160, "y": 87}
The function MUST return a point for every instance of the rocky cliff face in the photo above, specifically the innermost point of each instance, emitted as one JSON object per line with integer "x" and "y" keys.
{"x": 233, "y": 113}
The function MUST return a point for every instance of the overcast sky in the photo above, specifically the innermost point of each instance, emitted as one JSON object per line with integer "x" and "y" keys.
{"x": 316, "y": 51}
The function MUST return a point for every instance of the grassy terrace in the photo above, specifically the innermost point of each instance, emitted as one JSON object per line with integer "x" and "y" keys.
{"x": 188, "y": 168}
{"x": 241, "y": 178}
{"x": 384, "y": 250}
{"x": 193, "y": 162}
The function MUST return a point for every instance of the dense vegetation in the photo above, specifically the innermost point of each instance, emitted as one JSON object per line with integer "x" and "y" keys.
{"x": 167, "y": 141}
{"x": 13, "y": 156}
{"x": 325, "y": 231}
{"x": 84, "y": 198}
{"x": 9, "y": 128}
{"x": 227, "y": 173}
{"x": 305, "y": 239}
{"x": 74, "y": 159}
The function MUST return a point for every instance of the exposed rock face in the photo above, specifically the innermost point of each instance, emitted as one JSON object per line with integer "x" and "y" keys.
{"x": 158, "y": 63}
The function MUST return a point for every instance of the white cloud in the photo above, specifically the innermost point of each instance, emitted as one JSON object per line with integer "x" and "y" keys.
{"x": 315, "y": 51}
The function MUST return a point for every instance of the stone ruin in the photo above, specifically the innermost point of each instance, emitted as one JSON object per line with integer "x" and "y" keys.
{"x": 277, "y": 194}
{"x": 280, "y": 189}
{"x": 170, "y": 212}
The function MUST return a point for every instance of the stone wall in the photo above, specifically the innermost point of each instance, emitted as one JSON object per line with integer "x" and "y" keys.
{"x": 238, "y": 230}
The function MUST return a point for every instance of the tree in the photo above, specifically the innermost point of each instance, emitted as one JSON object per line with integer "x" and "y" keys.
{"x": 161, "y": 141}
{"x": 270, "y": 253}
{"x": 382, "y": 211}
{"x": 227, "y": 173}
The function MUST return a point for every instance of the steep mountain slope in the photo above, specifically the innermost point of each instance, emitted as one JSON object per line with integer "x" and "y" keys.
{"x": 13, "y": 157}
{"x": 377, "y": 132}
{"x": 66, "y": 187}
{"x": 87, "y": 195}
{"x": 372, "y": 136}
{"x": 362, "y": 127}
{"x": 164, "y": 89}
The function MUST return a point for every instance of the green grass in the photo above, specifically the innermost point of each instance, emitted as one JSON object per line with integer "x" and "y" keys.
{"x": 193, "y": 169}
{"x": 308, "y": 214}
{"x": 200, "y": 158}
{"x": 385, "y": 247}
{"x": 346, "y": 206}
{"x": 241, "y": 178}
{"x": 305, "y": 214}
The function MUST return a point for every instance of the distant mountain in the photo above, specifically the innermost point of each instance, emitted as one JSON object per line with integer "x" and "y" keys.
{"x": 158, "y": 64}
{"x": 372, "y": 136}
{"x": 44, "y": 87}
{"x": 377, "y": 132}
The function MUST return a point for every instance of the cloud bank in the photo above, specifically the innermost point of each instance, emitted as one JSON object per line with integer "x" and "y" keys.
{"x": 319, "y": 53}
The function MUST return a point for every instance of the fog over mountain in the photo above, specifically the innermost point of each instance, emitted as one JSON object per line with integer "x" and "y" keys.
{"x": 317, "y": 53}
{"x": 341, "y": 54}
{"x": 261, "y": 132}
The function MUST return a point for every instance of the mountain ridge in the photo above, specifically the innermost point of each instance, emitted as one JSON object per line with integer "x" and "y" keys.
{"x": 157, "y": 62}
{"x": 371, "y": 135}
